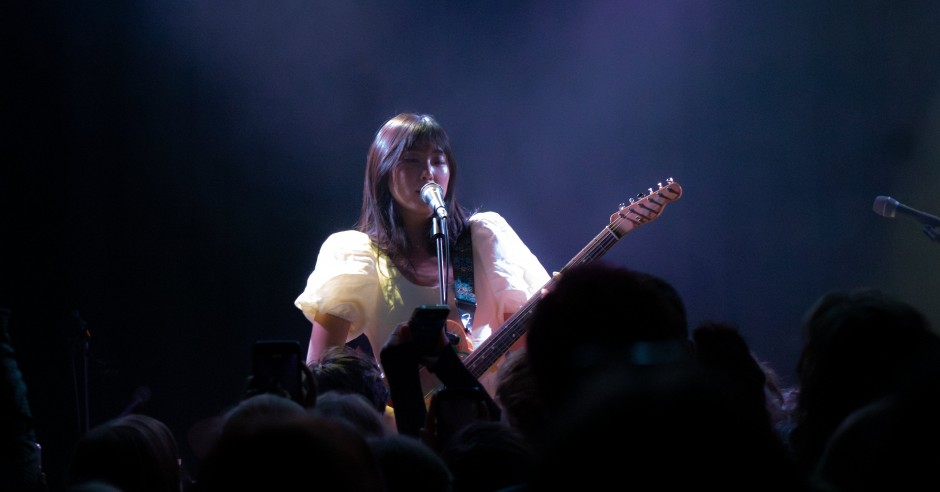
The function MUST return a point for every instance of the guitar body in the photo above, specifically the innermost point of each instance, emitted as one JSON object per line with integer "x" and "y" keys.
{"x": 483, "y": 361}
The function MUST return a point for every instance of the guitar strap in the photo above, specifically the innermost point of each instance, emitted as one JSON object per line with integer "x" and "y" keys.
{"x": 462, "y": 262}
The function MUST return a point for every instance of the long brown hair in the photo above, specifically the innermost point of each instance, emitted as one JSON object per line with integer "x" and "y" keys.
{"x": 380, "y": 218}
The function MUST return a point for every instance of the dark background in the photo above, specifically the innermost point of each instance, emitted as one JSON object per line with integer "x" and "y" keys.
{"x": 171, "y": 168}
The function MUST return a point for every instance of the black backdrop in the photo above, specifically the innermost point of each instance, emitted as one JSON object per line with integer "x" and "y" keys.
{"x": 171, "y": 167}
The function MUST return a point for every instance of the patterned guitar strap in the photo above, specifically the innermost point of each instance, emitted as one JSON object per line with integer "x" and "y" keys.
{"x": 462, "y": 262}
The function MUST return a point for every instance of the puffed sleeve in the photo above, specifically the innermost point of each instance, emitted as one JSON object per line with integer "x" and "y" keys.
{"x": 344, "y": 282}
{"x": 515, "y": 274}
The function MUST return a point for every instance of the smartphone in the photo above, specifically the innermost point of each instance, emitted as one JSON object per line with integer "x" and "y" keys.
{"x": 276, "y": 367}
{"x": 427, "y": 324}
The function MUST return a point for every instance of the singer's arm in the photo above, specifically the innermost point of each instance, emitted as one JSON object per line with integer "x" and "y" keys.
{"x": 327, "y": 331}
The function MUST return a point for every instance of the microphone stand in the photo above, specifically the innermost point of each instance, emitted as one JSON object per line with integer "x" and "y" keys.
{"x": 932, "y": 232}
{"x": 81, "y": 349}
{"x": 439, "y": 233}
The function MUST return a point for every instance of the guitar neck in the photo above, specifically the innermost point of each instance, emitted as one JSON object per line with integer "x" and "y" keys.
{"x": 641, "y": 210}
{"x": 489, "y": 352}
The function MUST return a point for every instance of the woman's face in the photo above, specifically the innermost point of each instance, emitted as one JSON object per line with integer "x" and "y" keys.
{"x": 416, "y": 167}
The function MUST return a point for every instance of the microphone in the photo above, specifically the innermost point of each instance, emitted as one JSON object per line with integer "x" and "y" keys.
{"x": 886, "y": 206}
{"x": 141, "y": 395}
{"x": 433, "y": 195}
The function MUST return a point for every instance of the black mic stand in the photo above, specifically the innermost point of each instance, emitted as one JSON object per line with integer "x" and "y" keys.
{"x": 439, "y": 233}
{"x": 82, "y": 341}
{"x": 933, "y": 232}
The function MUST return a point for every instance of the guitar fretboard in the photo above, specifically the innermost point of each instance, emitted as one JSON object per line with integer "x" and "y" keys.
{"x": 489, "y": 352}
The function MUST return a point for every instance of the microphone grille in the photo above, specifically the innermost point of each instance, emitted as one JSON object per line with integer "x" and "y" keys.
{"x": 428, "y": 190}
{"x": 885, "y": 206}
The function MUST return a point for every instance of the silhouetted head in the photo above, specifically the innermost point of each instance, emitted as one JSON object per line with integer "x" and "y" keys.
{"x": 598, "y": 317}
{"x": 346, "y": 370}
{"x": 294, "y": 453}
{"x": 135, "y": 453}
{"x": 859, "y": 346}
{"x": 354, "y": 409}
{"x": 409, "y": 465}
{"x": 664, "y": 428}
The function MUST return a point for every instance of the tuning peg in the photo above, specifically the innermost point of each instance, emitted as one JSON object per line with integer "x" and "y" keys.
{"x": 669, "y": 181}
{"x": 622, "y": 206}
{"x": 650, "y": 191}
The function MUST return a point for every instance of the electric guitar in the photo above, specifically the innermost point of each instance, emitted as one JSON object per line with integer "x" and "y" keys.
{"x": 640, "y": 210}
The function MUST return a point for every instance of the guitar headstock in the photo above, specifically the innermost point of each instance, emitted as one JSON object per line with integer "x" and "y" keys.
{"x": 644, "y": 207}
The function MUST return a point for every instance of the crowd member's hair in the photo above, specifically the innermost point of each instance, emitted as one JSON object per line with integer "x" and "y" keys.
{"x": 354, "y": 409}
{"x": 599, "y": 316}
{"x": 719, "y": 347}
{"x": 346, "y": 370}
{"x": 489, "y": 456}
{"x": 860, "y": 346}
{"x": 517, "y": 395}
{"x": 135, "y": 453}
{"x": 409, "y": 465}
{"x": 294, "y": 453}
{"x": 263, "y": 407}
{"x": 674, "y": 428}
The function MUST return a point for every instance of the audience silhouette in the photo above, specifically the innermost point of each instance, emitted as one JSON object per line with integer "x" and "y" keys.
{"x": 721, "y": 349}
{"x": 517, "y": 395}
{"x": 134, "y": 453}
{"x": 863, "y": 349}
{"x": 260, "y": 408}
{"x": 344, "y": 369}
{"x": 402, "y": 359}
{"x": 599, "y": 317}
{"x": 860, "y": 346}
{"x": 20, "y": 453}
{"x": 634, "y": 383}
{"x": 408, "y": 465}
{"x": 488, "y": 456}
{"x": 355, "y": 409}
{"x": 889, "y": 444}
{"x": 291, "y": 453}
{"x": 669, "y": 428}
{"x": 611, "y": 387}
